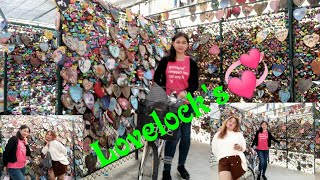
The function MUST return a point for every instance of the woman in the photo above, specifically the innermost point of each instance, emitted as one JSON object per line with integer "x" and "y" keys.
{"x": 178, "y": 73}
{"x": 15, "y": 154}
{"x": 228, "y": 145}
{"x": 58, "y": 155}
{"x": 262, "y": 140}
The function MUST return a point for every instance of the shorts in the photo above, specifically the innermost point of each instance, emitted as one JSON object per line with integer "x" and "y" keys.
{"x": 232, "y": 164}
{"x": 58, "y": 168}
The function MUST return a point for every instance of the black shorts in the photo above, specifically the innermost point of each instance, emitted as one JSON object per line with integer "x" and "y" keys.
{"x": 58, "y": 168}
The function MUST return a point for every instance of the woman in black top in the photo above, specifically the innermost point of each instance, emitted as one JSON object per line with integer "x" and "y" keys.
{"x": 178, "y": 73}
{"x": 15, "y": 154}
{"x": 262, "y": 140}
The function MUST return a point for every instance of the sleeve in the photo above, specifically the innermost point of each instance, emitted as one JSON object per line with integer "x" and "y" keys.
{"x": 9, "y": 147}
{"x": 62, "y": 148}
{"x": 159, "y": 72}
{"x": 193, "y": 80}
{"x": 243, "y": 143}
{"x": 28, "y": 150}
{"x": 214, "y": 146}
{"x": 45, "y": 150}
{"x": 255, "y": 140}
{"x": 273, "y": 139}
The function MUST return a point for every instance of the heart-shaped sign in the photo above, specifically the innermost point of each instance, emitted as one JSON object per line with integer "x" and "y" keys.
{"x": 284, "y": 95}
{"x": 105, "y": 102}
{"x": 203, "y": 17}
{"x": 67, "y": 101}
{"x": 283, "y": 4}
{"x": 142, "y": 50}
{"x": 193, "y": 18}
{"x": 75, "y": 93}
{"x": 241, "y": 1}
{"x": 219, "y": 14}
{"x": 98, "y": 89}
{"x": 252, "y": 59}
{"x": 149, "y": 49}
{"x": 18, "y": 59}
{"x": 114, "y": 50}
{"x": 262, "y": 35}
{"x": 82, "y": 48}
{"x": 99, "y": 70}
{"x": 113, "y": 31}
{"x": 278, "y": 69}
{"x": 299, "y": 14}
{"x": 282, "y": 34}
{"x": 298, "y": 2}
{"x": 311, "y": 40}
{"x": 133, "y": 31}
{"x": 245, "y": 86}
{"x": 116, "y": 90}
{"x": 113, "y": 104}
{"x": 275, "y": 5}
{"x": 214, "y": 50}
{"x": 88, "y": 100}
{"x": 84, "y": 65}
{"x": 272, "y": 86}
{"x": 122, "y": 55}
{"x": 12, "y": 95}
{"x": 259, "y": 8}
{"x": 70, "y": 75}
{"x": 315, "y": 65}
{"x": 9, "y": 48}
{"x": 26, "y": 39}
{"x": 204, "y": 38}
{"x": 71, "y": 42}
{"x": 134, "y": 102}
{"x": 304, "y": 84}
{"x": 212, "y": 68}
{"x": 313, "y": 2}
{"x": 44, "y": 46}
{"x": 246, "y": 10}
{"x": 125, "y": 90}
{"x": 46, "y": 71}
{"x": 35, "y": 61}
{"x": 62, "y": 4}
{"x": 87, "y": 85}
{"x": 236, "y": 11}
{"x": 144, "y": 34}
{"x": 126, "y": 43}
{"x": 192, "y": 9}
{"x": 209, "y": 16}
{"x": 114, "y": 14}
{"x": 224, "y": 3}
{"x": 59, "y": 55}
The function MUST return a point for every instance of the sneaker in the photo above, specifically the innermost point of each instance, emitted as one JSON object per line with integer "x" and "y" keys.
{"x": 264, "y": 177}
{"x": 183, "y": 173}
{"x": 166, "y": 175}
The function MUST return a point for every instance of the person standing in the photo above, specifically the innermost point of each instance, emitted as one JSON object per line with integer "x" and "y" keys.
{"x": 262, "y": 140}
{"x": 228, "y": 145}
{"x": 58, "y": 154}
{"x": 15, "y": 154}
{"x": 178, "y": 73}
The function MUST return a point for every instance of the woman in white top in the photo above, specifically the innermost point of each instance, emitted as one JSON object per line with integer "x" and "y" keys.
{"x": 58, "y": 154}
{"x": 228, "y": 146}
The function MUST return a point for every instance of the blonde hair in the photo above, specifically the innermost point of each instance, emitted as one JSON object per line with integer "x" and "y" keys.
{"x": 223, "y": 130}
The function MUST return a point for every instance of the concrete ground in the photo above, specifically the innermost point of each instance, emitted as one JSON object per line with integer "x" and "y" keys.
{"x": 199, "y": 168}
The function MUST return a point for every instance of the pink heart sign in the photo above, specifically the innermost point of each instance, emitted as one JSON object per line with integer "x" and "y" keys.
{"x": 214, "y": 50}
{"x": 245, "y": 86}
{"x": 252, "y": 59}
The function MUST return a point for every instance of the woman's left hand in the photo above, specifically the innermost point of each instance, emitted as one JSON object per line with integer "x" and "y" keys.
{"x": 237, "y": 147}
{"x": 182, "y": 94}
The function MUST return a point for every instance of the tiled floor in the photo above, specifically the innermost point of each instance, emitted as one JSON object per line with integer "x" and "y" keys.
{"x": 199, "y": 168}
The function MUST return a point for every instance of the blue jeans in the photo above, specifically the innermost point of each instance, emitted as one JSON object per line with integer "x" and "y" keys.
{"x": 263, "y": 160}
{"x": 17, "y": 174}
{"x": 170, "y": 147}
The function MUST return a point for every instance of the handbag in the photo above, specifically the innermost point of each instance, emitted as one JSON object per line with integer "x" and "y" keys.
{"x": 47, "y": 162}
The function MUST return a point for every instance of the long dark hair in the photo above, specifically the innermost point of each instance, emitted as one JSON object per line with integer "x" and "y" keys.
{"x": 260, "y": 129}
{"x": 19, "y": 134}
{"x": 173, "y": 53}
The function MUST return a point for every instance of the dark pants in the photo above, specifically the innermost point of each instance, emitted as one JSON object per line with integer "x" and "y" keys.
{"x": 263, "y": 160}
{"x": 170, "y": 147}
{"x": 17, "y": 174}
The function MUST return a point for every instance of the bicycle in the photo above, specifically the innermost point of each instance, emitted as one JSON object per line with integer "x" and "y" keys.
{"x": 252, "y": 166}
{"x": 152, "y": 152}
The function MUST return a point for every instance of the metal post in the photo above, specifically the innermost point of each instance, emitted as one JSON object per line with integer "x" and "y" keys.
{"x": 59, "y": 68}
{"x": 5, "y": 88}
{"x": 291, "y": 48}
{"x": 221, "y": 52}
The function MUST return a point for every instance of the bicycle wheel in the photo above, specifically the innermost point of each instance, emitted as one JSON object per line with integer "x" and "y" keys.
{"x": 248, "y": 175}
{"x": 148, "y": 169}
